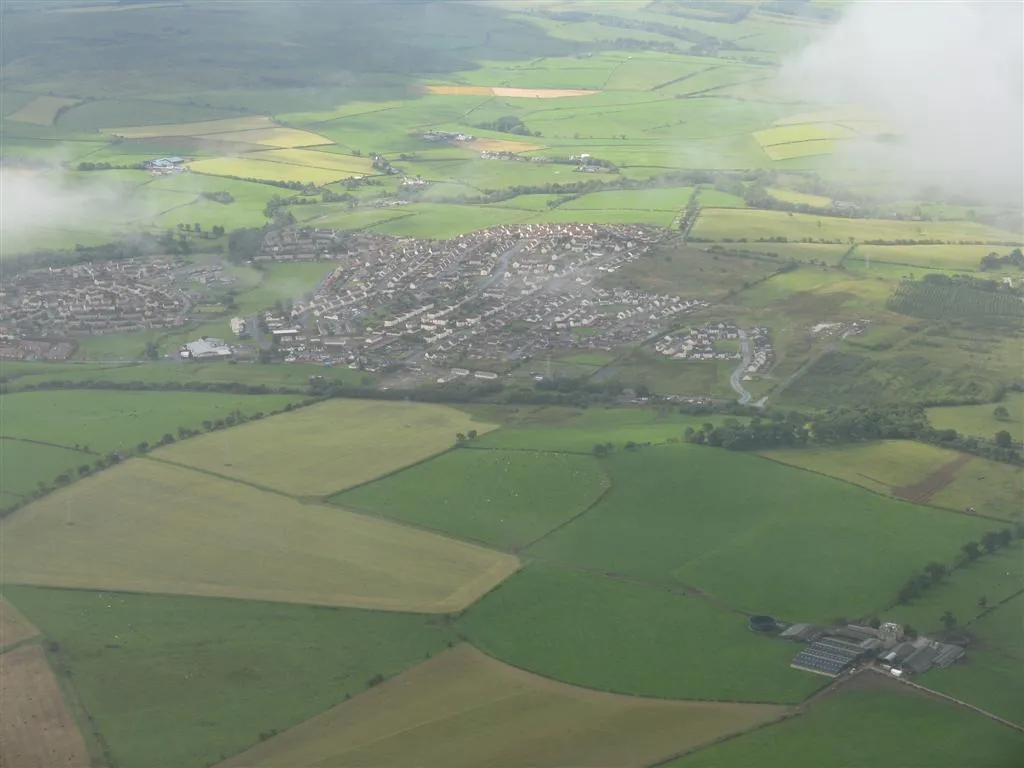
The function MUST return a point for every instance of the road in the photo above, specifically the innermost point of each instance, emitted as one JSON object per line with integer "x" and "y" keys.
{"x": 734, "y": 380}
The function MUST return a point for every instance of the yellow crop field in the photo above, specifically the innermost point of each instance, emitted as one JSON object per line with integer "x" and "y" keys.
{"x": 147, "y": 526}
{"x": 202, "y": 128}
{"x": 42, "y": 110}
{"x": 37, "y": 730}
{"x": 247, "y": 168}
{"x": 800, "y": 198}
{"x": 509, "y": 93}
{"x": 283, "y": 138}
{"x": 801, "y": 149}
{"x": 327, "y": 447}
{"x": 839, "y": 114}
{"x": 13, "y": 626}
{"x": 462, "y": 709}
{"x": 787, "y": 134}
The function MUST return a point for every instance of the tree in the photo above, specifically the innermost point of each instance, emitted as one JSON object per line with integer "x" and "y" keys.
{"x": 459, "y": 438}
{"x": 207, "y": 425}
{"x": 935, "y": 571}
{"x": 142, "y": 447}
{"x": 990, "y": 541}
{"x": 972, "y": 549}
{"x": 948, "y": 620}
{"x": 152, "y": 350}
{"x": 183, "y": 432}
{"x": 62, "y": 479}
{"x": 600, "y": 450}
{"x": 983, "y": 602}
{"x": 84, "y": 470}
{"x": 471, "y": 434}
{"x": 1004, "y": 439}
{"x": 1001, "y": 413}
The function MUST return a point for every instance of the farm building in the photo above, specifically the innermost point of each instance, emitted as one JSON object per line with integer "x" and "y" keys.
{"x": 801, "y": 633}
{"x": 206, "y": 348}
{"x": 828, "y": 656}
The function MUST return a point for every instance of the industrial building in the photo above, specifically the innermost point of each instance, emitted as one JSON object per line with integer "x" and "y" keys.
{"x": 206, "y": 348}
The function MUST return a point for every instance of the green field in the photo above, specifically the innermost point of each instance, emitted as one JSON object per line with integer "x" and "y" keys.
{"x": 147, "y": 526}
{"x": 566, "y": 624}
{"x": 979, "y": 421}
{"x": 864, "y": 728}
{"x": 331, "y": 446}
{"x": 675, "y": 516}
{"x": 217, "y": 674}
{"x": 503, "y": 498}
{"x": 23, "y": 466}
{"x": 102, "y": 421}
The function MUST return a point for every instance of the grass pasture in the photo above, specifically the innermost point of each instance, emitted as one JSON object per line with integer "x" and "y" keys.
{"x": 988, "y": 680}
{"x": 868, "y": 727}
{"x": 106, "y": 421}
{"x": 484, "y": 713}
{"x": 566, "y": 624}
{"x": 14, "y": 628}
{"x": 332, "y": 446}
{"x": 217, "y": 674}
{"x": 37, "y": 728}
{"x": 503, "y": 498}
{"x": 248, "y": 167}
{"x": 42, "y": 110}
{"x": 719, "y": 223}
{"x": 283, "y": 138}
{"x": 24, "y": 465}
{"x": 675, "y": 516}
{"x": 957, "y": 257}
{"x": 146, "y": 526}
{"x": 977, "y": 420}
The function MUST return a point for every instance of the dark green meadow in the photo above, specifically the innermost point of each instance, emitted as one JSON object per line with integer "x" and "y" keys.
{"x": 759, "y": 537}
{"x": 506, "y": 499}
{"x": 594, "y": 630}
{"x": 180, "y": 682}
{"x": 864, "y": 728}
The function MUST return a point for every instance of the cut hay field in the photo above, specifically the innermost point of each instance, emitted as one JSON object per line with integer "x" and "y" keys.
{"x": 37, "y": 729}
{"x": 250, "y": 166}
{"x": 14, "y": 628}
{"x": 675, "y": 516}
{"x": 566, "y": 624}
{"x": 503, "y": 498}
{"x": 104, "y": 420}
{"x": 146, "y": 526}
{"x": 978, "y": 421}
{"x": 507, "y": 93}
{"x": 42, "y": 110}
{"x": 464, "y": 709}
{"x": 25, "y": 465}
{"x": 917, "y": 471}
{"x": 216, "y": 674}
{"x": 331, "y": 446}
{"x": 799, "y": 133}
{"x": 869, "y": 727}
{"x": 719, "y": 223}
{"x": 201, "y": 128}
{"x": 800, "y": 149}
{"x": 285, "y": 138}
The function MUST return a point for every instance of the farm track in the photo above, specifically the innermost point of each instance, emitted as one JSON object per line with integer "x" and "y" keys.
{"x": 923, "y": 490}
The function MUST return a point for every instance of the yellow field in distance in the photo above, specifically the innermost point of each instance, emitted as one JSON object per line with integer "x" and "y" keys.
{"x": 787, "y": 134}
{"x": 462, "y": 709}
{"x": 328, "y": 447}
{"x": 247, "y": 168}
{"x": 202, "y": 128}
{"x": 13, "y": 626}
{"x": 42, "y": 110}
{"x": 283, "y": 138}
{"x": 36, "y": 729}
{"x": 800, "y": 198}
{"x": 511, "y": 93}
{"x": 147, "y": 526}
{"x": 310, "y": 158}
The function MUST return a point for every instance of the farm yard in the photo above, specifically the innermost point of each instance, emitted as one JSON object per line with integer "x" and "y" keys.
{"x": 147, "y": 526}
{"x": 337, "y": 444}
{"x": 484, "y": 713}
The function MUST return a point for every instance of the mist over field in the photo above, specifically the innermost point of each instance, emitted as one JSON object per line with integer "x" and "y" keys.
{"x": 38, "y": 201}
{"x": 947, "y": 76}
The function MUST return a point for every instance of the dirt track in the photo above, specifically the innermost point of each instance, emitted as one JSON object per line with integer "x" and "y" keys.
{"x": 935, "y": 482}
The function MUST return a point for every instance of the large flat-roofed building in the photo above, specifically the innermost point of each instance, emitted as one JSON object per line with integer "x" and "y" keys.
{"x": 828, "y": 656}
{"x": 206, "y": 348}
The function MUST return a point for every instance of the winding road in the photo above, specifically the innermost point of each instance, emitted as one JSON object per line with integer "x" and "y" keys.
{"x": 746, "y": 357}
